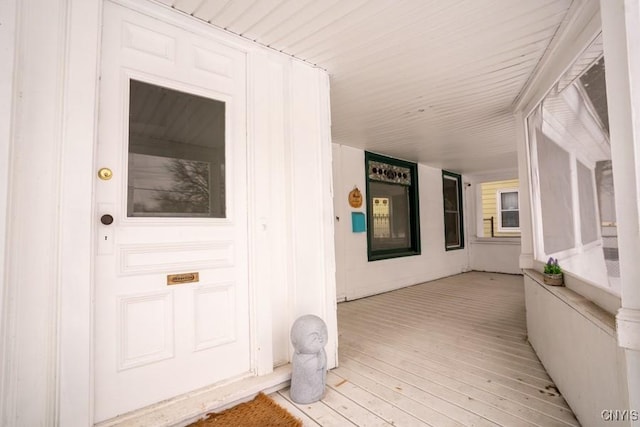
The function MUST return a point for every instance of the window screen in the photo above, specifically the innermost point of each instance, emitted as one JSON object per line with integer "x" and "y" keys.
{"x": 588, "y": 220}
{"x": 555, "y": 195}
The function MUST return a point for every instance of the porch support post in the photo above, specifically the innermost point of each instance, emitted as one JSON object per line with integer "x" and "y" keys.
{"x": 29, "y": 352}
{"x": 45, "y": 316}
{"x": 621, "y": 34}
{"x": 526, "y": 230}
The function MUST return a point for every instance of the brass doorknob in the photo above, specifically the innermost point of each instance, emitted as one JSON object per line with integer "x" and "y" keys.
{"x": 105, "y": 174}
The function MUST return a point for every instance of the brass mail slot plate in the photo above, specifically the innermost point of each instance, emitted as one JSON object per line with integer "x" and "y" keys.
{"x": 179, "y": 279}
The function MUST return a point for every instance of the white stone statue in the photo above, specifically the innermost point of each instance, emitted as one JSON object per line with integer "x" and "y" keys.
{"x": 309, "y": 376}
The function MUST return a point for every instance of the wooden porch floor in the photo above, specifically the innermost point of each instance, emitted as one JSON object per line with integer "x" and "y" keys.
{"x": 446, "y": 353}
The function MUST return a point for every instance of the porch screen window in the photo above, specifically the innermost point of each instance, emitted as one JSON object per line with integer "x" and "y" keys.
{"x": 509, "y": 210}
{"x": 176, "y": 154}
{"x": 556, "y": 195}
{"x": 392, "y": 207}
{"x": 587, "y": 197}
{"x": 452, "y": 193}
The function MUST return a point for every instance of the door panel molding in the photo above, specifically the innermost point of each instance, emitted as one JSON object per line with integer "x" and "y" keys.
{"x": 161, "y": 258}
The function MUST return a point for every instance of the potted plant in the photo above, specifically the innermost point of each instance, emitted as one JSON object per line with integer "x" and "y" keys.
{"x": 553, "y": 273}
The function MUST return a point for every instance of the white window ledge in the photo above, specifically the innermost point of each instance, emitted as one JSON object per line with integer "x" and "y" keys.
{"x": 496, "y": 241}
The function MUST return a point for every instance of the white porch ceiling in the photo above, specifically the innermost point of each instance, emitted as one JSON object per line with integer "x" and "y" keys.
{"x": 431, "y": 81}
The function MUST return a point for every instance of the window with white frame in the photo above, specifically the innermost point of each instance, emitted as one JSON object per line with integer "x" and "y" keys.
{"x": 508, "y": 203}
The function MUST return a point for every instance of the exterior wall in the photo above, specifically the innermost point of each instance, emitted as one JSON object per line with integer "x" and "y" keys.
{"x": 356, "y": 276}
{"x": 577, "y": 345}
{"x": 489, "y": 195}
{"x": 46, "y": 315}
{"x": 495, "y": 255}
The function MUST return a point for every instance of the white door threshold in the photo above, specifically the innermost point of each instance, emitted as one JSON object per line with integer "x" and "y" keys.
{"x": 189, "y": 407}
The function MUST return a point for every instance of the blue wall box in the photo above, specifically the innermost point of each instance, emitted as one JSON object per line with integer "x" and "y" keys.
{"x": 358, "y": 224}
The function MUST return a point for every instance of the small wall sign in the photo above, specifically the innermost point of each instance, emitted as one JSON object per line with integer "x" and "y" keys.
{"x": 355, "y": 198}
{"x": 179, "y": 279}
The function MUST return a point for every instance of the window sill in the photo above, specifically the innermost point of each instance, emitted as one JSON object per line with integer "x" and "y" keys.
{"x": 380, "y": 257}
{"x": 515, "y": 241}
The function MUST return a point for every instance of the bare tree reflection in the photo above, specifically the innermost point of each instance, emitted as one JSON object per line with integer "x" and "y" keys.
{"x": 189, "y": 190}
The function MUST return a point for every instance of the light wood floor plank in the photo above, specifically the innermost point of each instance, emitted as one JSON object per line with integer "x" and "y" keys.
{"x": 450, "y": 352}
{"x": 424, "y": 377}
{"x": 399, "y": 352}
{"x": 554, "y": 408}
{"x": 442, "y": 335}
{"x": 478, "y": 324}
{"x": 463, "y": 401}
{"x": 383, "y": 409}
{"x": 423, "y": 405}
{"x": 293, "y": 410}
{"x": 460, "y": 356}
{"x": 358, "y": 415}
{"x": 319, "y": 412}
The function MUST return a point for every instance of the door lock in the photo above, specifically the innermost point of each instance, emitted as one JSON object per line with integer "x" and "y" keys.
{"x": 105, "y": 174}
{"x": 106, "y": 219}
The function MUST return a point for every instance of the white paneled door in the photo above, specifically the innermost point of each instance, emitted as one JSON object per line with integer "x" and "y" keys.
{"x": 171, "y": 290}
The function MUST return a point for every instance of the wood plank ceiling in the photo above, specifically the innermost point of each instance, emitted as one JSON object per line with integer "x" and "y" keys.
{"x": 431, "y": 81}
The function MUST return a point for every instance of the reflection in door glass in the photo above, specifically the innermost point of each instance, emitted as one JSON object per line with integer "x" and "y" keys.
{"x": 176, "y": 154}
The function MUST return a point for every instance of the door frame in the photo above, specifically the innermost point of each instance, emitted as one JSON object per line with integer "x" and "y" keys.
{"x": 76, "y": 337}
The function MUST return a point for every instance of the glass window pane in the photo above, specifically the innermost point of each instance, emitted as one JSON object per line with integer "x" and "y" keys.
{"x": 450, "y": 189}
{"x": 452, "y": 228}
{"x": 390, "y": 212}
{"x": 509, "y": 201}
{"x": 176, "y": 154}
{"x": 510, "y": 219}
{"x": 452, "y": 211}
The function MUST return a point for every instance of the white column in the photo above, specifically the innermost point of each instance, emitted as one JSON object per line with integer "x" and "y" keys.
{"x": 31, "y": 285}
{"x": 526, "y": 230}
{"x": 621, "y": 32}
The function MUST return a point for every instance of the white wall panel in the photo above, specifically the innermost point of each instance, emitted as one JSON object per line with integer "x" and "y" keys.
{"x": 590, "y": 371}
{"x": 499, "y": 255}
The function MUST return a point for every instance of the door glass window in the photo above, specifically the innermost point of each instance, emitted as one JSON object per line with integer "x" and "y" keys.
{"x": 176, "y": 154}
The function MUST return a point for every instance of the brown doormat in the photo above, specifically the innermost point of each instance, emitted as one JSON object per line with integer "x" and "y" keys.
{"x": 259, "y": 412}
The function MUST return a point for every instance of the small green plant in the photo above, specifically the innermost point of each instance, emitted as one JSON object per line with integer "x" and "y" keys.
{"x": 552, "y": 267}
